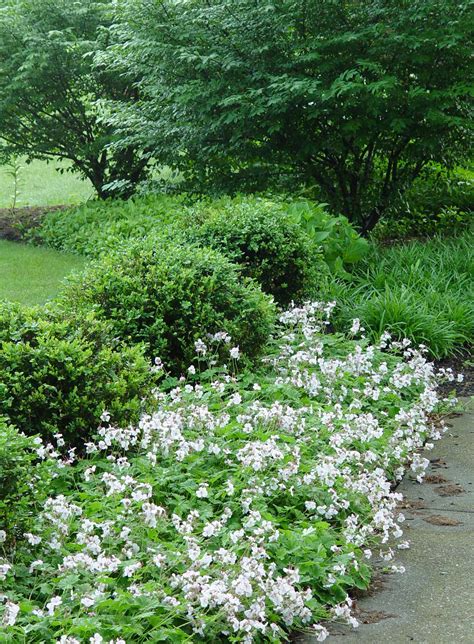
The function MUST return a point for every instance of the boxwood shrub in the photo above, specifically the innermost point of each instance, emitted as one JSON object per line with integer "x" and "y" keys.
{"x": 168, "y": 294}
{"x": 256, "y": 234}
{"x": 59, "y": 375}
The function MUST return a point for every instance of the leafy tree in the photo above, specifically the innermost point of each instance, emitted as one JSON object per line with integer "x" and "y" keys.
{"x": 53, "y": 96}
{"x": 354, "y": 96}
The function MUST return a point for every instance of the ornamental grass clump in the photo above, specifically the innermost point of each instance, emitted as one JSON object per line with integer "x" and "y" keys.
{"x": 242, "y": 507}
{"x": 167, "y": 294}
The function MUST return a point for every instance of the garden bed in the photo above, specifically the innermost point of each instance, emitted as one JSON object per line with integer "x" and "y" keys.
{"x": 15, "y": 222}
{"x": 242, "y": 507}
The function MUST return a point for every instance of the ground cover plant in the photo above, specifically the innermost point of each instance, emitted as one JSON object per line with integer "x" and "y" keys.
{"x": 33, "y": 275}
{"x": 243, "y": 506}
{"x": 422, "y": 290}
{"x": 97, "y": 227}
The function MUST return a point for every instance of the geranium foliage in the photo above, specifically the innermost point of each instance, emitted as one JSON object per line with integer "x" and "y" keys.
{"x": 243, "y": 507}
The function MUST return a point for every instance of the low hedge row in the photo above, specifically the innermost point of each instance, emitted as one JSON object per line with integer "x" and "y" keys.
{"x": 257, "y": 234}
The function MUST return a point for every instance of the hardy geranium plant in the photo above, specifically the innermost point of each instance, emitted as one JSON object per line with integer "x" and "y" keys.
{"x": 243, "y": 507}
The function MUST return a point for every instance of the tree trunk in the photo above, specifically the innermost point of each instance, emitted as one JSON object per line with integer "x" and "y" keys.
{"x": 370, "y": 222}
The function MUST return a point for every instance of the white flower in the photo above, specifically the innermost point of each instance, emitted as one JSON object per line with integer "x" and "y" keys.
{"x": 192, "y": 370}
{"x": 322, "y": 633}
{"x": 33, "y": 539}
{"x": 4, "y": 570}
{"x": 403, "y": 545}
{"x": 96, "y": 639}
{"x": 356, "y": 327}
{"x": 159, "y": 560}
{"x": 10, "y": 614}
{"x": 53, "y": 603}
{"x": 201, "y": 348}
{"x": 130, "y": 570}
{"x": 35, "y": 564}
{"x": 87, "y": 601}
{"x": 202, "y": 491}
{"x": 235, "y": 353}
{"x": 235, "y": 399}
{"x": 3, "y": 536}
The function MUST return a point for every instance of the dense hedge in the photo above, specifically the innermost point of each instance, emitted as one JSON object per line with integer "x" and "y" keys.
{"x": 59, "y": 376}
{"x": 257, "y": 235}
{"x": 168, "y": 295}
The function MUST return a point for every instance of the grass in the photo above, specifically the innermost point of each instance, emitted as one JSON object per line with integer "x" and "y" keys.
{"x": 420, "y": 290}
{"x": 40, "y": 184}
{"x": 33, "y": 275}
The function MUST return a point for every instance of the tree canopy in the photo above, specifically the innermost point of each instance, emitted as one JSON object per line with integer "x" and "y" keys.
{"x": 54, "y": 99}
{"x": 353, "y": 97}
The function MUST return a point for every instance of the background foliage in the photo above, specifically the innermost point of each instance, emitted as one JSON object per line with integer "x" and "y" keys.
{"x": 53, "y": 96}
{"x": 352, "y": 98}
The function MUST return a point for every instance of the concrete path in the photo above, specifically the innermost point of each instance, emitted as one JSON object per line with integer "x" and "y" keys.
{"x": 433, "y": 601}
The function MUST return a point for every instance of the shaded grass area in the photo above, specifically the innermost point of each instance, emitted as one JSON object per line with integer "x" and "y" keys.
{"x": 40, "y": 184}
{"x": 420, "y": 290}
{"x": 33, "y": 275}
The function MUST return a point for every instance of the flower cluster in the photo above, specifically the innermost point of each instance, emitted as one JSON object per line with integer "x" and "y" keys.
{"x": 242, "y": 507}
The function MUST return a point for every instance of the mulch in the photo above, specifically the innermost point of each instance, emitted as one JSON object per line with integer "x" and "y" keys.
{"x": 464, "y": 364}
{"x": 14, "y": 223}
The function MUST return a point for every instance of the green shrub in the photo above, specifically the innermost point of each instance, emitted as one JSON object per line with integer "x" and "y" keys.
{"x": 271, "y": 249}
{"x": 60, "y": 375}
{"x": 437, "y": 190}
{"x": 438, "y": 202}
{"x": 98, "y": 227}
{"x": 169, "y": 295}
{"x": 23, "y": 481}
{"x": 342, "y": 246}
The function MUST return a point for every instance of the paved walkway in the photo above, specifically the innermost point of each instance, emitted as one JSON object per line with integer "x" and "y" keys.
{"x": 433, "y": 601}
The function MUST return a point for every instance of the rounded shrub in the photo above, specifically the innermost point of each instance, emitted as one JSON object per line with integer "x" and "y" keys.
{"x": 168, "y": 295}
{"x": 61, "y": 375}
{"x": 257, "y": 235}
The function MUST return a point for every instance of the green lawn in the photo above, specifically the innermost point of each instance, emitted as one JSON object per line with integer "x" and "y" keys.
{"x": 32, "y": 275}
{"x": 40, "y": 184}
